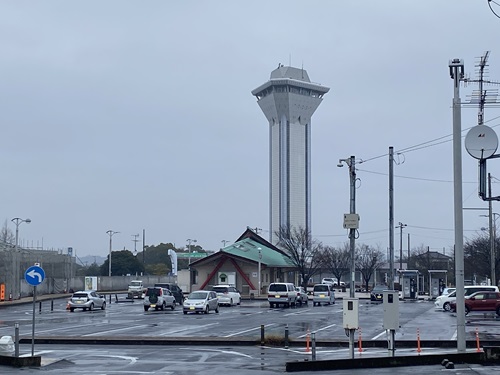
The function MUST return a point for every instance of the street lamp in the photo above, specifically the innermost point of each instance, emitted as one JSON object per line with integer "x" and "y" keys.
{"x": 110, "y": 233}
{"x": 401, "y": 226}
{"x": 15, "y": 272}
{"x": 260, "y": 259}
{"x": 224, "y": 243}
{"x": 189, "y": 240}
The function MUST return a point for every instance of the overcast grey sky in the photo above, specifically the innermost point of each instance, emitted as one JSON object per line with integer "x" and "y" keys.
{"x": 129, "y": 115}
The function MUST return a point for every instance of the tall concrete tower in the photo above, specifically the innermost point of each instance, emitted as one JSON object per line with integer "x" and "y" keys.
{"x": 288, "y": 101}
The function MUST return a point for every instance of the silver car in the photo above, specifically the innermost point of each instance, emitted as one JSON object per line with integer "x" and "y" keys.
{"x": 201, "y": 301}
{"x": 87, "y": 299}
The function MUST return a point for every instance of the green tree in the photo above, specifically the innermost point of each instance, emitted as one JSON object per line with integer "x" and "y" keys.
{"x": 123, "y": 262}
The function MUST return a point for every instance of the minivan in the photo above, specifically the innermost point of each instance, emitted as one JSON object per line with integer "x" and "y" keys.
{"x": 283, "y": 293}
{"x": 323, "y": 293}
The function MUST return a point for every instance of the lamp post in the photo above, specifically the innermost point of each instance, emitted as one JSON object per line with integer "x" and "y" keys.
{"x": 15, "y": 272}
{"x": 110, "y": 233}
{"x": 189, "y": 240}
{"x": 401, "y": 226}
{"x": 260, "y": 259}
{"x": 224, "y": 243}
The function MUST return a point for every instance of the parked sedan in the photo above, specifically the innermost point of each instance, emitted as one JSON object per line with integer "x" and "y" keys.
{"x": 302, "y": 297}
{"x": 201, "y": 301}
{"x": 87, "y": 299}
{"x": 227, "y": 295}
{"x": 480, "y": 301}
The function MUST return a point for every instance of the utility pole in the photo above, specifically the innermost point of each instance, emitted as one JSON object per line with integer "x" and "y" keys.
{"x": 401, "y": 226}
{"x": 457, "y": 74}
{"x": 492, "y": 234}
{"x": 391, "y": 218}
{"x": 135, "y": 240}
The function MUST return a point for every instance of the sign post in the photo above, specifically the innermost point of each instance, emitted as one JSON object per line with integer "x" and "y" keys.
{"x": 34, "y": 276}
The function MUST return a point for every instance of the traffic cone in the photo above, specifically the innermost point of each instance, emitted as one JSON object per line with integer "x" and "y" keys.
{"x": 478, "y": 346}
{"x": 418, "y": 341}
{"x": 360, "y": 346}
{"x": 308, "y": 349}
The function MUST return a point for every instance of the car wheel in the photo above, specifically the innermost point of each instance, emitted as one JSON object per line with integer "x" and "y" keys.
{"x": 84, "y": 309}
{"x": 173, "y": 306}
{"x": 467, "y": 310}
{"x": 231, "y": 302}
{"x": 91, "y": 307}
{"x": 239, "y": 302}
{"x": 163, "y": 306}
{"x": 146, "y": 308}
{"x": 71, "y": 309}
{"x": 103, "y": 306}
{"x": 217, "y": 309}
{"x": 300, "y": 303}
{"x": 447, "y": 306}
{"x": 185, "y": 312}
{"x": 498, "y": 311}
{"x": 271, "y": 305}
{"x": 207, "y": 310}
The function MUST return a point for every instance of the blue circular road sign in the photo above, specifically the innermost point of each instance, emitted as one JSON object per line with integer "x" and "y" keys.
{"x": 34, "y": 275}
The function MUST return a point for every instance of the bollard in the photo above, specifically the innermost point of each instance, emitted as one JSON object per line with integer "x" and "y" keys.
{"x": 286, "y": 336}
{"x": 478, "y": 346}
{"x": 40, "y": 307}
{"x": 360, "y": 345}
{"x": 16, "y": 337}
{"x": 262, "y": 341}
{"x": 418, "y": 341}
{"x": 51, "y": 305}
{"x": 308, "y": 349}
{"x": 313, "y": 346}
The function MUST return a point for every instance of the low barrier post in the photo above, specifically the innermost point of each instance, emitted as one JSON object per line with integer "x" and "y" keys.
{"x": 308, "y": 349}
{"x": 478, "y": 346}
{"x": 360, "y": 345}
{"x": 286, "y": 336}
{"x": 313, "y": 345}
{"x": 262, "y": 338}
{"x": 418, "y": 341}
{"x": 40, "y": 307}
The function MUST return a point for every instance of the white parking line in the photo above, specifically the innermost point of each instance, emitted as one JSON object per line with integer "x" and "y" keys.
{"x": 318, "y": 330}
{"x": 248, "y": 330}
{"x": 187, "y": 329}
{"x": 116, "y": 330}
{"x": 298, "y": 312}
{"x": 380, "y": 334}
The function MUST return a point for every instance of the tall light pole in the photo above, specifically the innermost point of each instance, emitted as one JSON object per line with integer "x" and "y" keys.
{"x": 110, "y": 233}
{"x": 224, "y": 243}
{"x": 16, "y": 272}
{"x": 189, "y": 240}
{"x": 135, "y": 240}
{"x": 401, "y": 226}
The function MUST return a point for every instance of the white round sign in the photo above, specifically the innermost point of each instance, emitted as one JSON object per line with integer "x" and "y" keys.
{"x": 481, "y": 142}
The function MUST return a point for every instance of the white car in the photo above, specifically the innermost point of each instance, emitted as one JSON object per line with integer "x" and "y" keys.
{"x": 227, "y": 295}
{"x": 86, "y": 299}
{"x": 332, "y": 281}
{"x": 202, "y": 301}
{"x": 443, "y": 302}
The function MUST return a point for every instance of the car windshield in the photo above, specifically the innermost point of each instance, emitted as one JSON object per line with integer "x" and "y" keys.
{"x": 135, "y": 283}
{"x": 198, "y": 295}
{"x": 277, "y": 288}
{"x": 453, "y": 294}
{"x": 220, "y": 289}
{"x": 379, "y": 288}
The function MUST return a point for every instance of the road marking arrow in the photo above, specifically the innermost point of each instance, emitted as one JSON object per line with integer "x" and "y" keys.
{"x": 34, "y": 274}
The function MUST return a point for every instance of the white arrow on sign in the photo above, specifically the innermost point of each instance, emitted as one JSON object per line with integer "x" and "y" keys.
{"x": 34, "y": 274}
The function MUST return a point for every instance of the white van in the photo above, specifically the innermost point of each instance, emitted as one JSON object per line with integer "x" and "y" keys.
{"x": 283, "y": 293}
{"x": 443, "y": 302}
{"x": 323, "y": 293}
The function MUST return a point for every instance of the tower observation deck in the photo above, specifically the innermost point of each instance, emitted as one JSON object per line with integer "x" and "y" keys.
{"x": 288, "y": 101}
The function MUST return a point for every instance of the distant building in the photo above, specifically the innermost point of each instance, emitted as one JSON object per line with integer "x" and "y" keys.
{"x": 288, "y": 101}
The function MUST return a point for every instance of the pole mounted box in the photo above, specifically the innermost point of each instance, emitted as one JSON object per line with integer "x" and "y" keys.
{"x": 391, "y": 309}
{"x": 351, "y": 313}
{"x": 351, "y": 221}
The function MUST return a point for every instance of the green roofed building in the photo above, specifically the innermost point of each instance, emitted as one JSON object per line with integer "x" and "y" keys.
{"x": 238, "y": 264}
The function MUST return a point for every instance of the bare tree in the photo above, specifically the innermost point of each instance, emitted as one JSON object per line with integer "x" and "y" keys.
{"x": 303, "y": 251}
{"x": 7, "y": 237}
{"x": 337, "y": 260}
{"x": 367, "y": 261}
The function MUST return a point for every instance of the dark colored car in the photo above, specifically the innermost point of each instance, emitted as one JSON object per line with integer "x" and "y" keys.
{"x": 377, "y": 294}
{"x": 176, "y": 291}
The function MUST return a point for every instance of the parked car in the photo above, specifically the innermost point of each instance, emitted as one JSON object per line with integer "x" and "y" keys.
{"x": 158, "y": 298}
{"x": 332, "y": 281}
{"x": 135, "y": 289}
{"x": 377, "y": 294}
{"x": 176, "y": 291}
{"x": 480, "y": 301}
{"x": 281, "y": 293}
{"x": 323, "y": 293}
{"x": 447, "y": 291}
{"x": 88, "y": 299}
{"x": 227, "y": 295}
{"x": 443, "y": 302}
{"x": 302, "y": 297}
{"x": 201, "y": 301}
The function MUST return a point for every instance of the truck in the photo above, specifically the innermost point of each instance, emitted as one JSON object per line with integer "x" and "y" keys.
{"x": 135, "y": 289}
